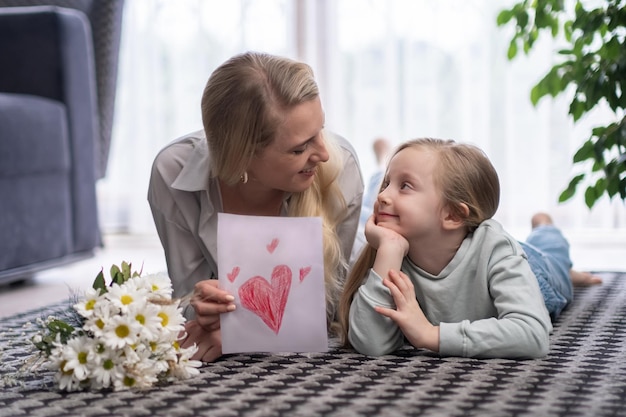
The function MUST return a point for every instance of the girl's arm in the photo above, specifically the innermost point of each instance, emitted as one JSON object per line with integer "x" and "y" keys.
{"x": 369, "y": 331}
{"x": 521, "y": 327}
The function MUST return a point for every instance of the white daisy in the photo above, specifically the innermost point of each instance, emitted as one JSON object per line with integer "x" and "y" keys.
{"x": 120, "y": 331}
{"x": 184, "y": 367}
{"x": 102, "y": 314}
{"x": 78, "y": 354}
{"x": 122, "y": 296}
{"x": 172, "y": 318}
{"x": 146, "y": 316}
{"x": 108, "y": 368}
{"x": 87, "y": 306}
{"x": 157, "y": 284}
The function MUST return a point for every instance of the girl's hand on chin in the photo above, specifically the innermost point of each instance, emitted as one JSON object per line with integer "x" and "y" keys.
{"x": 379, "y": 235}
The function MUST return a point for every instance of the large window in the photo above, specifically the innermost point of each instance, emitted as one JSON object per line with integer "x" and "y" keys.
{"x": 395, "y": 68}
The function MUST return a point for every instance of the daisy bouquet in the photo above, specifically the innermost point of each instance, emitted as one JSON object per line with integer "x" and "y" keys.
{"x": 118, "y": 336}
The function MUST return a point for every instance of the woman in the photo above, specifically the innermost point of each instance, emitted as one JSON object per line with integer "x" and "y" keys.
{"x": 263, "y": 151}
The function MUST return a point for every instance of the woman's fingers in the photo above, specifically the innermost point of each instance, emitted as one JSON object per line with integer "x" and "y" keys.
{"x": 208, "y": 299}
{"x": 208, "y": 290}
{"x": 209, "y": 343}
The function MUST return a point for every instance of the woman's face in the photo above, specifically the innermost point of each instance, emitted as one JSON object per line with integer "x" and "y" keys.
{"x": 289, "y": 163}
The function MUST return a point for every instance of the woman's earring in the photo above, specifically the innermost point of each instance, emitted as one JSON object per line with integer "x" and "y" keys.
{"x": 244, "y": 177}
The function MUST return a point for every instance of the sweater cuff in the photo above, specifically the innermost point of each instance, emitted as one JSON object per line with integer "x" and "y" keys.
{"x": 452, "y": 339}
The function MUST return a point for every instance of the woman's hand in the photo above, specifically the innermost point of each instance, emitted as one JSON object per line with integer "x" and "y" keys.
{"x": 209, "y": 301}
{"x": 408, "y": 314}
{"x": 209, "y": 342}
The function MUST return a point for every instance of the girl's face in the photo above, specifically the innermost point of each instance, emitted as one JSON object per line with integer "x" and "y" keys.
{"x": 410, "y": 203}
{"x": 290, "y": 161}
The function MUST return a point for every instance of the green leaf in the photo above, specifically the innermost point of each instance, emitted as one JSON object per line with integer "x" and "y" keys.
{"x": 571, "y": 188}
{"x": 577, "y": 109}
{"x": 504, "y": 17}
{"x": 114, "y": 271}
{"x": 60, "y": 328}
{"x": 612, "y": 187}
{"x": 522, "y": 18}
{"x": 567, "y": 30}
{"x": 590, "y": 196}
{"x": 118, "y": 278}
{"x": 512, "y": 52}
{"x": 600, "y": 186}
{"x": 126, "y": 270}
{"x": 585, "y": 152}
{"x": 99, "y": 283}
{"x": 536, "y": 94}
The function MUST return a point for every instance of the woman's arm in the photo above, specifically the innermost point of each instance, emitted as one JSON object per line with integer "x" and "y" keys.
{"x": 351, "y": 184}
{"x": 186, "y": 263}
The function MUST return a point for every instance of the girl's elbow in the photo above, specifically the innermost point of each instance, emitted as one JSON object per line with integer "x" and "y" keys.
{"x": 540, "y": 345}
{"x": 371, "y": 350}
{"x": 366, "y": 347}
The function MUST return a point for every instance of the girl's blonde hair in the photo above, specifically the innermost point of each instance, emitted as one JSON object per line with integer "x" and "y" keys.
{"x": 242, "y": 106}
{"x": 463, "y": 175}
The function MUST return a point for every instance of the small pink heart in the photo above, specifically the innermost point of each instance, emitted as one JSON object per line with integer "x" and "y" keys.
{"x": 304, "y": 272}
{"x": 232, "y": 275}
{"x": 272, "y": 246}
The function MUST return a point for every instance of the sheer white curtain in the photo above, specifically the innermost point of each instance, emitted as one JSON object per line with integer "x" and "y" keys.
{"x": 396, "y": 68}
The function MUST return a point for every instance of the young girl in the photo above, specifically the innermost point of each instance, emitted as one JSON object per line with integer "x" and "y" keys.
{"x": 440, "y": 273}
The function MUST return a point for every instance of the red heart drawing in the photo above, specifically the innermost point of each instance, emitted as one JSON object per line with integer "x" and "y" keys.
{"x": 304, "y": 272}
{"x": 268, "y": 300}
{"x": 272, "y": 245}
{"x": 232, "y": 275}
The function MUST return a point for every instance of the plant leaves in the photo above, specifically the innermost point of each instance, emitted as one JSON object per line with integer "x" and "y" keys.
{"x": 99, "y": 283}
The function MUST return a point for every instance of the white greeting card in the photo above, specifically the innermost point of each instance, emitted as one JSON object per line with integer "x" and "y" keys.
{"x": 274, "y": 267}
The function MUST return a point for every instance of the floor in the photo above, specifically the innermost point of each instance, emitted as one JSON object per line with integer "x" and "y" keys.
{"x": 592, "y": 253}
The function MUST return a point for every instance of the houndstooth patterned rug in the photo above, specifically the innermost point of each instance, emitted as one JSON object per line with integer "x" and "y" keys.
{"x": 584, "y": 375}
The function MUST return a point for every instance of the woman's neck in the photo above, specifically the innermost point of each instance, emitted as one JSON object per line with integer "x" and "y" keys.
{"x": 247, "y": 199}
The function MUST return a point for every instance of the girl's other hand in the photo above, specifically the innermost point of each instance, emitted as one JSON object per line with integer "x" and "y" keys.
{"x": 408, "y": 314}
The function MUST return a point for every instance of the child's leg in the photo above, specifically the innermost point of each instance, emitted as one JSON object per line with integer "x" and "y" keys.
{"x": 584, "y": 278}
{"x": 551, "y": 240}
{"x": 555, "y": 293}
{"x": 548, "y": 255}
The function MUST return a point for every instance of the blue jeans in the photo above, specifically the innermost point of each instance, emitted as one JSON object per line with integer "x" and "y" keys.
{"x": 548, "y": 255}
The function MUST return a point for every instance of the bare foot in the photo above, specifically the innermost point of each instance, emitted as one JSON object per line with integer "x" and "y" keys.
{"x": 540, "y": 219}
{"x": 584, "y": 279}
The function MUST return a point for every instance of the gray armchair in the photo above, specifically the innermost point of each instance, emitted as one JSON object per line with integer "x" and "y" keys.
{"x": 52, "y": 149}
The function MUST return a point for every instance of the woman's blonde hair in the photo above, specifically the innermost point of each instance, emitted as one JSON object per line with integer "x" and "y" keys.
{"x": 242, "y": 106}
{"x": 463, "y": 175}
